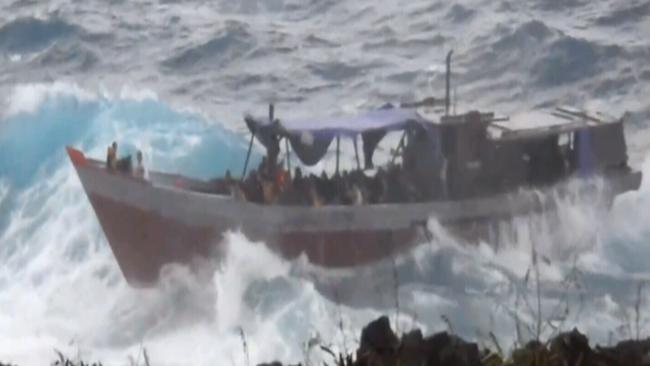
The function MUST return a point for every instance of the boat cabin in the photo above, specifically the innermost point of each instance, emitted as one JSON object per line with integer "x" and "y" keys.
{"x": 484, "y": 155}
{"x": 457, "y": 156}
{"x": 454, "y": 157}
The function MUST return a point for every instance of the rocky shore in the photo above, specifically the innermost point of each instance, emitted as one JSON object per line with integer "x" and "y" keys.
{"x": 380, "y": 346}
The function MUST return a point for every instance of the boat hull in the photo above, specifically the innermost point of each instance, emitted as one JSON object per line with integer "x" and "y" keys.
{"x": 154, "y": 223}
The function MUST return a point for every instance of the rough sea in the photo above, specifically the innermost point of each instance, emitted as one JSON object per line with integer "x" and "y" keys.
{"x": 174, "y": 78}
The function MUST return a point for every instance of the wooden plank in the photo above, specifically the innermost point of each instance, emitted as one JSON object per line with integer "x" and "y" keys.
{"x": 563, "y": 116}
{"x": 539, "y": 132}
{"x": 501, "y": 127}
{"x": 580, "y": 114}
{"x": 461, "y": 118}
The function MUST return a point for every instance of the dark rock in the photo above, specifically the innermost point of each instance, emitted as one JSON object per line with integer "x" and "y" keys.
{"x": 572, "y": 348}
{"x": 443, "y": 349}
{"x": 411, "y": 351}
{"x": 627, "y": 353}
{"x": 534, "y": 353}
{"x": 381, "y": 347}
{"x": 412, "y": 339}
{"x": 378, "y": 337}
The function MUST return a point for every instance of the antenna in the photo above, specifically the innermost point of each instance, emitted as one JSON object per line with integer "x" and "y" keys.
{"x": 448, "y": 82}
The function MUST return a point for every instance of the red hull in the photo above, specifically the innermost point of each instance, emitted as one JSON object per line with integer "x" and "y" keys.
{"x": 143, "y": 242}
{"x": 149, "y": 225}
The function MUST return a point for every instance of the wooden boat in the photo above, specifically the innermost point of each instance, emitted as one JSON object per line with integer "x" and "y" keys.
{"x": 463, "y": 170}
{"x": 169, "y": 218}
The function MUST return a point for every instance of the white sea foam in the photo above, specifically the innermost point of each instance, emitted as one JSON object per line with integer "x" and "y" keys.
{"x": 26, "y": 98}
{"x": 137, "y": 94}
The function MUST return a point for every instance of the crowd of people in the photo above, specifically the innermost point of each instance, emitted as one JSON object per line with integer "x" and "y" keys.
{"x": 272, "y": 184}
{"x": 124, "y": 164}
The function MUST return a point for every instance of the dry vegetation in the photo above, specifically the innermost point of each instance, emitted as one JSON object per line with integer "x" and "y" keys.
{"x": 380, "y": 346}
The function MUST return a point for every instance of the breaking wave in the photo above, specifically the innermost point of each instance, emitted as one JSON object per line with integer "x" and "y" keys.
{"x": 43, "y": 119}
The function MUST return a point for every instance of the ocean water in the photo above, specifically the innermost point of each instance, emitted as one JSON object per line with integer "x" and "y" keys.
{"x": 174, "y": 79}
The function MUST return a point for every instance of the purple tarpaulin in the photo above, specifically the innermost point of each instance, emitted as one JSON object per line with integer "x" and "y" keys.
{"x": 383, "y": 119}
{"x": 310, "y": 138}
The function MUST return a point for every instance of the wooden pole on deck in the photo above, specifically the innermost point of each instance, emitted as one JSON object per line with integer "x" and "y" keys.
{"x": 286, "y": 147}
{"x": 399, "y": 148}
{"x": 448, "y": 83}
{"x": 248, "y": 156}
{"x": 356, "y": 153}
{"x": 338, "y": 144}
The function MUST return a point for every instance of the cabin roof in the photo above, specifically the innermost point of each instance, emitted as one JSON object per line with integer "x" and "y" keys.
{"x": 527, "y": 125}
{"x": 311, "y": 137}
{"x": 538, "y": 124}
{"x": 392, "y": 119}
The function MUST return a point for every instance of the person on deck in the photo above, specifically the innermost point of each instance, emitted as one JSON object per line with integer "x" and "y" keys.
{"x": 289, "y": 195}
{"x": 224, "y": 185}
{"x": 348, "y": 190}
{"x": 282, "y": 180}
{"x": 355, "y": 197}
{"x": 237, "y": 192}
{"x": 326, "y": 188}
{"x": 297, "y": 179}
{"x": 263, "y": 167}
{"x": 406, "y": 182}
{"x": 273, "y": 152}
{"x": 269, "y": 192}
{"x": 300, "y": 187}
{"x": 253, "y": 187}
{"x": 228, "y": 178}
{"x": 111, "y": 156}
{"x": 140, "y": 171}
{"x": 314, "y": 198}
{"x": 378, "y": 187}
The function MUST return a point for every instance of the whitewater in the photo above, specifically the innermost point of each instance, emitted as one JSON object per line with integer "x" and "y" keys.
{"x": 174, "y": 79}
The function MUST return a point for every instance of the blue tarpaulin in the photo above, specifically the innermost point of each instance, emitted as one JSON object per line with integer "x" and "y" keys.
{"x": 382, "y": 119}
{"x": 310, "y": 138}
{"x": 585, "y": 157}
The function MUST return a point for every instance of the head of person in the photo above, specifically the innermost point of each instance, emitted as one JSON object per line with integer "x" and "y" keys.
{"x": 114, "y": 145}
{"x": 139, "y": 156}
{"x": 297, "y": 173}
